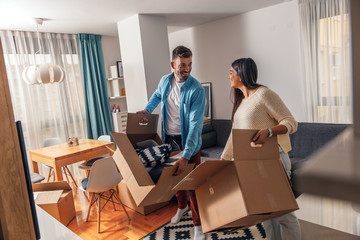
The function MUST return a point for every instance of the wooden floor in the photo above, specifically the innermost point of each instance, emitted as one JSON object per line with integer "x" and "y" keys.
{"x": 115, "y": 224}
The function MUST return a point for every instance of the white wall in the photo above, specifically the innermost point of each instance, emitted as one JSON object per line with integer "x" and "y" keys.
{"x": 145, "y": 53}
{"x": 111, "y": 51}
{"x": 155, "y": 45}
{"x": 270, "y": 36}
{"x": 133, "y": 63}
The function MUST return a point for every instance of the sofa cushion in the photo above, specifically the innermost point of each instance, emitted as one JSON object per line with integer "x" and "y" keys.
{"x": 207, "y": 128}
{"x": 212, "y": 152}
{"x": 203, "y": 159}
{"x": 208, "y": 139}
{"x": 222, "y": 128}
{"x": 311, "y": 136}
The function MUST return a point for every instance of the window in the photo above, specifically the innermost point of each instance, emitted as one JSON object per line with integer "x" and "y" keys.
{"x": 50, "y": 110}
{"x": 334, "y": 85}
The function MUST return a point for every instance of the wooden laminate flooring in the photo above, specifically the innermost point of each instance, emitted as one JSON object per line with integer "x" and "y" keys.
{"x": 115, "y": 224}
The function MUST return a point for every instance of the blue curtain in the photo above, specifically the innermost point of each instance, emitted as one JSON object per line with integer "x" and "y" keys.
{"x": 98, "y": 116}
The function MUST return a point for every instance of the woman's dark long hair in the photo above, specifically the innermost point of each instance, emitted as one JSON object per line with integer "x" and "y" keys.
{"x": 247, "y": 71}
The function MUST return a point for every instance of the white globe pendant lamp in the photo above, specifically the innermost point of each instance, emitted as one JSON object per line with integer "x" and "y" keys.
{"x": 42, "y": 73}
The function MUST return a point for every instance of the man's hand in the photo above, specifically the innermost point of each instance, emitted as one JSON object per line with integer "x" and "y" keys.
{"x": 181, "y": 164}
{"x": 143, "y": 112}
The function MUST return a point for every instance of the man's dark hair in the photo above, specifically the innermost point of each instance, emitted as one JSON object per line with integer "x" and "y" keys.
{"x": 182, "y": 52}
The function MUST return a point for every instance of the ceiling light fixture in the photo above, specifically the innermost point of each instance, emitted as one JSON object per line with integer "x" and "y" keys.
{"x": 42, "y": 73}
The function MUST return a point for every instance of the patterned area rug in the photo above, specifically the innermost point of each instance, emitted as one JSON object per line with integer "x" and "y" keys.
{"x": 185, "y": 230}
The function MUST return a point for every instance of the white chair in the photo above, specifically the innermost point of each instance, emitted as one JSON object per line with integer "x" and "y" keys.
{"x": 105, "y": 138}
{"x": 36, "y": 178}
{"x": 87, "y": 165}
{"x": 102, "y": 179}
{"x": 54, "y": 141}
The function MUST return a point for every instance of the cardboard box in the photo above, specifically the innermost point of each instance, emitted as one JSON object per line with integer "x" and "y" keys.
{"x": 141, "y": 127}
{"x": 127, "y": 199}
{"x": 241, "y": 193}
{"x": 56, "y": 198}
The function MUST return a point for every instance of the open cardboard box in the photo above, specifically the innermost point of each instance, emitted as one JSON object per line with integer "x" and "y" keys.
{"x": 142, "y": 127}
{"x": 127, "y": 199}
{"x": 56, "y": 198}
{"x": 244, "y": 192}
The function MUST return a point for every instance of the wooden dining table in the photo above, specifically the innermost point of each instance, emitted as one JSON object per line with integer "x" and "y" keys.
{"x": 61, "y": 155}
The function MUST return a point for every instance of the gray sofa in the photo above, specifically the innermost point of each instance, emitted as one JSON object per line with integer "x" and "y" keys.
{"x": 214, "y": 137}
{"x": 307, "y": 139}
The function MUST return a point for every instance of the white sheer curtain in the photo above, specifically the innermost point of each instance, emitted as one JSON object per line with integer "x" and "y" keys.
{"x": 50, "y": 110}
{"x": 326, "y": 57}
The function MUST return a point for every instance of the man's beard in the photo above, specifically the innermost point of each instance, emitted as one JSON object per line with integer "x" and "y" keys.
{"x": 183, "y": 75}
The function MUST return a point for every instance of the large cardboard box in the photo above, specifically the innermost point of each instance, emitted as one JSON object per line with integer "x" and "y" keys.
{"x": 57, "y": 199}
{"x": 127, "y": 199}
{"x": 241, "y": 193}
{"x": 144, "y": 191}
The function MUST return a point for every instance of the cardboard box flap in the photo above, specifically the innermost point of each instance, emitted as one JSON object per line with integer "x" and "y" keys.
{"x": 63, "y": 185}
{"x": 201, "y": 173}
{"x": 130, "y": 159}
{"x": 48, "y": 197}
{"x": 168, "y": 174}
{"x": 243, "y": 150}
{"x": 265, "y": 186}
{"x": 141, "y": 123}
{"x": 164, "y": 187}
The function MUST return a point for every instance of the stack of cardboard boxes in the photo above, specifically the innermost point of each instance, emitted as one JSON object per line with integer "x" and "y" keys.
{"x": 137, "y": 186}
{"x": 241, "y": 193}
{"x": 230, "y": 194}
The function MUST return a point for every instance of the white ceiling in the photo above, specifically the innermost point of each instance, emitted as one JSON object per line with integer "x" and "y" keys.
{"x": 101, "y": 16}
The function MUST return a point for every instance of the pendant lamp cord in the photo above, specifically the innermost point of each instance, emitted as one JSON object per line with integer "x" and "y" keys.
{"x": 38, "y": 37}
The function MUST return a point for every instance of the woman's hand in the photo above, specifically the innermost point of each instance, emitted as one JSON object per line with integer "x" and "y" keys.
{"x": 261, "y": 136}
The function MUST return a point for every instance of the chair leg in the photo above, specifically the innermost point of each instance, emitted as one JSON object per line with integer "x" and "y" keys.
{"x": 66, "y": 168}
{"x": 99, "y": 211}
{"x": 86, "y": 196}
{"x": 111, "y": 198}
{"x": 125, "y": 210}
{"x": 91, "y": 201}
{"x": 49, "y": 175}
{"x": 118, "y": 198}
{"x": 67, "y": 178}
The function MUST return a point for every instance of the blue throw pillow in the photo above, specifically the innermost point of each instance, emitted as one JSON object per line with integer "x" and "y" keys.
{"x": 84, "y": 183}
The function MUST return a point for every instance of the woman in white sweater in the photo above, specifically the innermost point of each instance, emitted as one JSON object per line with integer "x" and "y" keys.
{"x": 257, "y": 107}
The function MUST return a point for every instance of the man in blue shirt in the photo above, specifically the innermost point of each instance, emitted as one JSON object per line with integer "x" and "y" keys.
{"x": 182, "y": 107}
